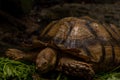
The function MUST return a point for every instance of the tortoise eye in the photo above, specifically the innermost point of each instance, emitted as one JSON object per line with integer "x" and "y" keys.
{"x": 45, "y": 63}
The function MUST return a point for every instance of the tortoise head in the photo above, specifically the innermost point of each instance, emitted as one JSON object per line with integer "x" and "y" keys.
{"x": 46, "y": 60}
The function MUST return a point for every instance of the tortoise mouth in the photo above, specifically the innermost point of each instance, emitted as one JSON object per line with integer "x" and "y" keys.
{"x": 46, "y": 68}
{"x": 43, "y": 70}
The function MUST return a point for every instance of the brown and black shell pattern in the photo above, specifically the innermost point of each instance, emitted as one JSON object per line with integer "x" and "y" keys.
{"x": 95, "y": 42}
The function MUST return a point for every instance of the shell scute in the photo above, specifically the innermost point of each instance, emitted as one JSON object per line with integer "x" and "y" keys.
{"x": 70, "y": 32}
{"x": 87, "y": 35}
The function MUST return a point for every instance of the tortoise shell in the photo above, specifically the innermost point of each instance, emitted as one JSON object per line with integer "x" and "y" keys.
{"x": 92, "y": 38}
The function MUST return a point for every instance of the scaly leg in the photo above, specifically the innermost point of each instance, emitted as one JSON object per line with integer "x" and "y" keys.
{"x": 20, "y": 55}
{"x": 75, "y": 68}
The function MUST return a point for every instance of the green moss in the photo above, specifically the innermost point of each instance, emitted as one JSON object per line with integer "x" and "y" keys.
{"x": 108, "y": 76}
{"x": 10, "y": 69}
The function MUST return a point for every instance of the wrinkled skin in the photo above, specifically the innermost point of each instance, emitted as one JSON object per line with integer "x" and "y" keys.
{"x": 46, "y": 60}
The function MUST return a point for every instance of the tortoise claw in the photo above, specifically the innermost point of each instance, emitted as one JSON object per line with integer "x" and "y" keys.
{"x": 14, "y": 54}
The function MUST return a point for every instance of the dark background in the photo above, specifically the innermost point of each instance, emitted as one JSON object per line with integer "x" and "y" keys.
{"x": 17, "y": 7}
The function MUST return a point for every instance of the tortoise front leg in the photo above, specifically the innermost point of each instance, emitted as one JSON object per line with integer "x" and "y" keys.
{"x": 20, "y": 55}
{"x": 75, "y": 68}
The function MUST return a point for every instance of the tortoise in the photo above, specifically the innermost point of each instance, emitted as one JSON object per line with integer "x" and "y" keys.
{"x": 75, "y": 46}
